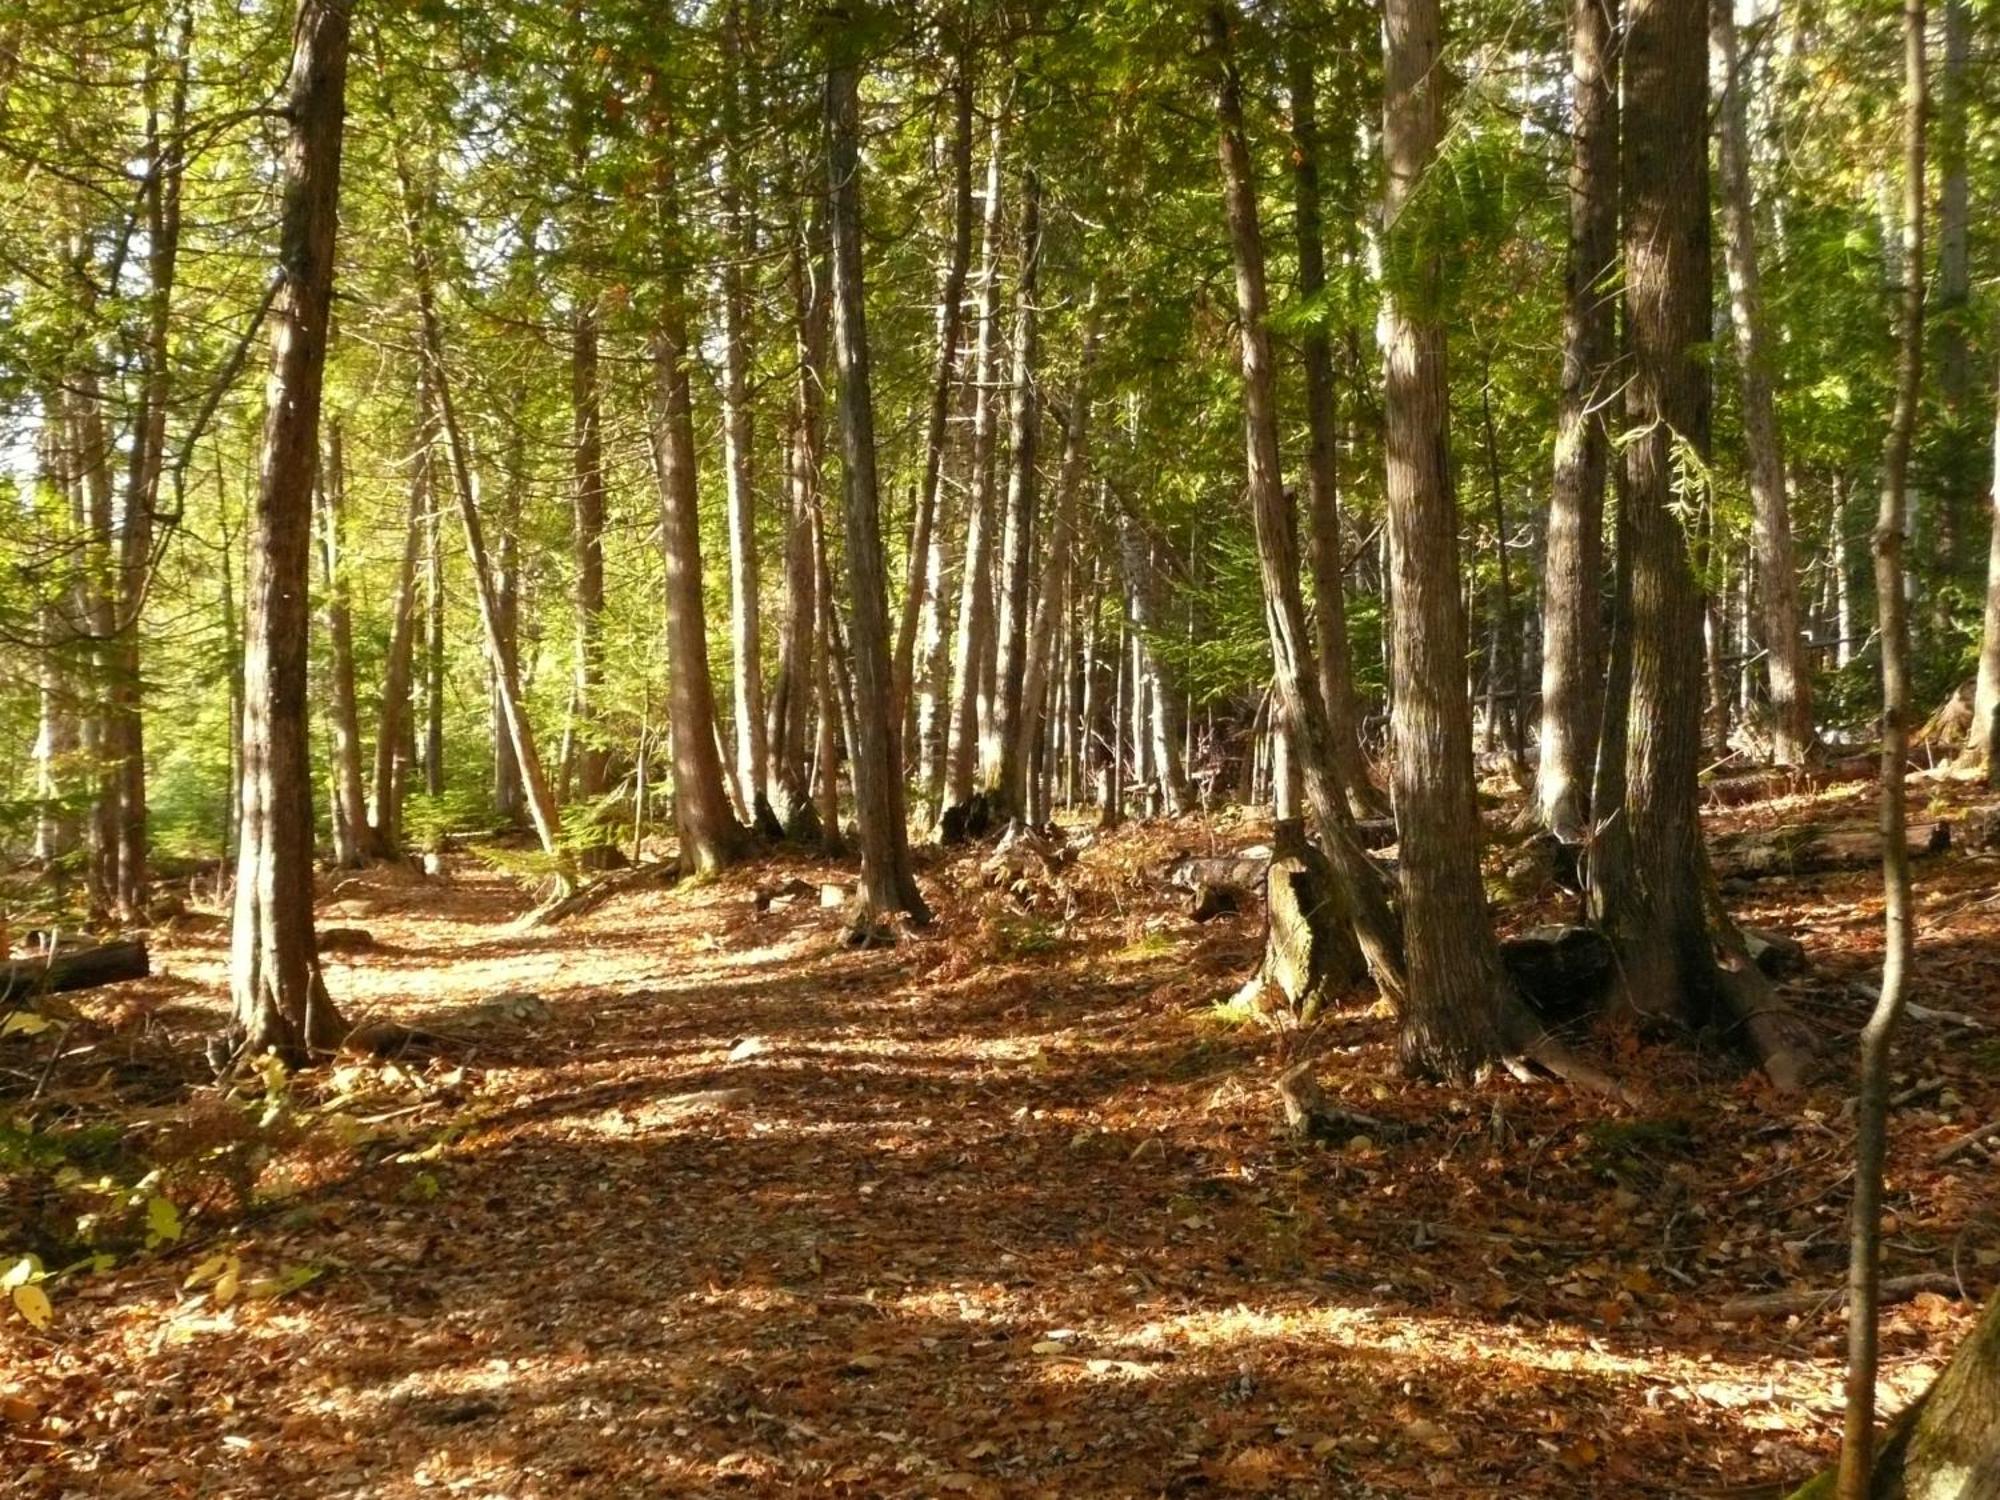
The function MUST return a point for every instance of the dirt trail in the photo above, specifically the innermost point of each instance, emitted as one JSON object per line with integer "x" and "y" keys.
{"x": 1001, "y": 1211}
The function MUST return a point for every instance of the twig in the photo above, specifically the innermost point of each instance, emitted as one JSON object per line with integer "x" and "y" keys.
{"x": 1966, "y": 1142}
{"x": 1821, "y": 1299}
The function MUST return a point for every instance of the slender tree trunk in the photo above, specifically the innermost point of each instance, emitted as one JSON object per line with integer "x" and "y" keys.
{"x": 279, "y": 999}
{"x": 1785, "y": 664}
{"x": 1505, "y": 666}
{"x": 1959, "y": 477}
{"x": 1023, "y": 490}
{"x": 790, "y": 707}
{"x": 975, "y": 595}
{"x": 1857, "y": 1447}
{"x": 542, "y": 809}
{"x": 1336, "y": 673}
{"x": 1679, "y": 954}
{"x": 1983, "y": 739}
{"x": 1358, "y": 899}
{"x": 830, "y": 675}
{"x": 887, "y": 882}
{"x": 1572, "y": 655}
{"x": 433, "y": 747}
{"x": 509, "y": 798}
{"x": 709, "y": 833}
{"x": 392, "y": 719}
{"x": 1040, "y": 644}
{"x": 350, "y": 803}
{"x": 587, "y": 541}
{"x": 926, "y": 562}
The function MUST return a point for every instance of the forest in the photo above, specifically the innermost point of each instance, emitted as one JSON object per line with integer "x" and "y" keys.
{"x": 1000, "y": 747}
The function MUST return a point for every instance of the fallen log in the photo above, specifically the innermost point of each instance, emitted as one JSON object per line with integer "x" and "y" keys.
{"x": 1955, "y": 1149}
{"x": 1804, "y": 849}
{"x": 75, "y": 969}
{"x": 1825, "y": 1299}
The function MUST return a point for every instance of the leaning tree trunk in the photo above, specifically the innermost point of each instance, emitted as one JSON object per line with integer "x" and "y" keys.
{"x": 887, "y": 882}
{"x": 709, "y": 833}
{"x": 279, "y": 1000}
{"x": 1785, "y": 664}
{"x": 1336, "y": 672}
{"x": 350, "y": 805}
{"x": 1871, "y": 1123}
{"x": 1355, "y": 890}
{"x": 509, "y": 798}
{"x": 1572, "y": 654}
{"x": 1679, "y": 953}
{"x": 1460, "y": 1011}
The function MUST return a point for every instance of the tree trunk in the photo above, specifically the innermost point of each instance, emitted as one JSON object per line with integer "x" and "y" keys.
{"x": 975, "y": 593}
{"x": 1864, "y": 1268}
{"x": 542, "y": 809}
{"x": 509, "y": 797}
{"x": 279, "y": 1000}
{"x": 1040, "y": 644}
{"x": 1785, "y": 665}
{"x": 433, "y": 743}
{"x": 710, "y": 836}
{"x": 587, "y": 541}
{"x": 1355, "y": 890}
{"x": 1017, "y": 546}
{"x": 350, "y": 806}
{"x": 1678, "y": 952}
{"x": 1572, "y": 656}
{"x": 1336, "y": 673}
{"x": 392, "y": 719}
{"x": 887, "y": 882}
{"x": 1959, "y": 479}
{"x": 1981, "y": 747}
{"x": 926, "y": 559}
{"x": 1504, "y": 661}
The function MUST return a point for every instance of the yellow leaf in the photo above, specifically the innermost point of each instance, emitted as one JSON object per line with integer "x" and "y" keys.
{"x": 25, "y": 1023}
{"x": 32, "y": 1303}
{"x": 227, "y": 1282}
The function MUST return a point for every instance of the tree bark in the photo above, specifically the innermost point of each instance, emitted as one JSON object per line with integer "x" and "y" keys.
{"x": 1679, "y": 953}
{"x": 1864, "y": 1270}
{"x": 1572, "y": 653}
{"x": 1023, "y": 490}
{"x": 887, "y": 882}
{"x": 710, "y": 836}
{"x": 392, "y": 718}
{"x": 975, "y": 594}
{"x": 278, "y": 998}
{"x": 926, "y": 561}
{"x": 587, "y": 542}
{"x": 509, "y": 797}
{"x": 1355, "y": 890}
{"x": 1786, "y": 669}
{"x": 1336, "y": 672}
{"x": 350, "y": 806}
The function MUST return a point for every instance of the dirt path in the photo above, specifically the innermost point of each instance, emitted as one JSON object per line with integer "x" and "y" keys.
{"x": 998, "y": 1212}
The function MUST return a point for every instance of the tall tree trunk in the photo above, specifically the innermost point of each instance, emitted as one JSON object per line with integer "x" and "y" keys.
{"x": 710, "y": 836}
{"x": 279, "y": 1000}
{"x": 1983, "y": 739}
{"x": 926, "y": 570}
{"x": 1572, "y": 655}
{"x": 1504, "y": 666}
{"x": 746, "y": 629}
{"x": 392, "y": 719}
{"x": 1336, "y": 672}
{"x": 887, "y": 882}
{"x": 1864, "y": 1270}
{"x": 1356, "y": 893}
{"x": 1156, "y": 730}
{"x": 975, "y": 591}
{"x": 1017, "y": 546}
{"x": 1459, "y": 1007}
{"x": 1959, "y": 480}
{"x": 1041, "y": 637}
{"x": 587, "y": 541}
{"x": 1679, "y": 954}
{"x": 1785, "y": 665}
{"x": 350, "y": 803}
{"x": 793, "y": 694}
{"x": 433, "y": 744}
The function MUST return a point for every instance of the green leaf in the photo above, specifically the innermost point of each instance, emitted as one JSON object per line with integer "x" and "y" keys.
{"x": 163, "y": 1222}
{"x": 25, "y": 1023}
{"x": 21, "y": 1272}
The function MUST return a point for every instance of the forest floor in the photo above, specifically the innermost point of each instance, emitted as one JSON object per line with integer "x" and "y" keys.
{"x": 708, "y": 1203}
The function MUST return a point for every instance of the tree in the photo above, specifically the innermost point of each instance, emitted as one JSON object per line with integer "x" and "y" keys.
{"x": 1679, "y": 955}
{"x": 887, "y": 882}
{"x": 350, "y": 807}
{"x": 280, "y": 1001}
{"x": 1792, "y": 735}
{"x": 1572, "y": 655}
